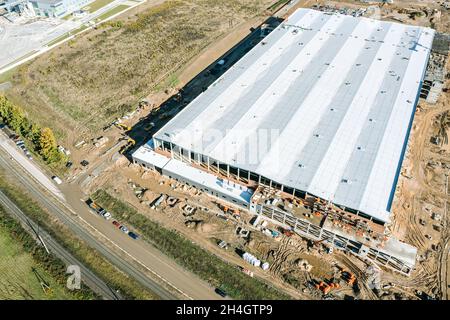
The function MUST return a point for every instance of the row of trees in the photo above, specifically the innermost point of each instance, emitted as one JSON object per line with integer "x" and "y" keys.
{"x": 42, "y": 139}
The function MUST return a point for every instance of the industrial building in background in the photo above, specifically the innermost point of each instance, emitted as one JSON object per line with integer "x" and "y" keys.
{"x": 44, "y": 8}
{"x": 309, "y": 129}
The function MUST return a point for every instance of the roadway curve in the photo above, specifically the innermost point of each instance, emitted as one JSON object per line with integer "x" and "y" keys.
{"x": 88, "y": 277}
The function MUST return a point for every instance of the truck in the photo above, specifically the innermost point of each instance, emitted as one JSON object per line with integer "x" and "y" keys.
{"x": 57, "y": 179}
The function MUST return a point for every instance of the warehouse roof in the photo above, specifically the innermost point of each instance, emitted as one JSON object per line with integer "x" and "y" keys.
{"x": 323, "y": 104}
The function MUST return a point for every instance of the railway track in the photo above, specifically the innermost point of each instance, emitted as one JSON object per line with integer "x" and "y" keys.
{"x": 89, "y": 278}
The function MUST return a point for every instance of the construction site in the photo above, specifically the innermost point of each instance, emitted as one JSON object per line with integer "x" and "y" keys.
{"x": 347, "y": 199}
{"x": 315, "y": 243}
{"x": 327, "y": 211}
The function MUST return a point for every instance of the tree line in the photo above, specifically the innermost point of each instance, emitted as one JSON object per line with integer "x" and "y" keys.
{"x": 41, "y": 139}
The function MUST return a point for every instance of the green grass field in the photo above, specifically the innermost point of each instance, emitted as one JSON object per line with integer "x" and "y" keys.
{"x": 18, "y": 281}
{"x": 94, "y": 6}
{"x": 111, "y": 12}
{"x": 6, "y": 76}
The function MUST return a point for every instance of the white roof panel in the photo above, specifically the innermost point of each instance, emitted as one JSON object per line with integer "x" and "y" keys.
{"x": 323, "y": 104}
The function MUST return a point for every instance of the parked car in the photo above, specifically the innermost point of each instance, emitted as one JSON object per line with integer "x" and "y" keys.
{"x": 107, "y": 215}
{"x": 116, "y": 223}
{"x": 84, "y": 163}
{"x": 220, "y": 292}
{"x": 124, "y": 229}
{"x": 20, "y": 142}
{"x": 69, "y": 164}
{"x": 133, "y": 235}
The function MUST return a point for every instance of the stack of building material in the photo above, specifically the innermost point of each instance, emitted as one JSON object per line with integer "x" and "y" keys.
{"x": 251, "y": 259}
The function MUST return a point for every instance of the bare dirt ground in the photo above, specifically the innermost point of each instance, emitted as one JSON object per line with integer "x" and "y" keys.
{"x": 422, "y": 197}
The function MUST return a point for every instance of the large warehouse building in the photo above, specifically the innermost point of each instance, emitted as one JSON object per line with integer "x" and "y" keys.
{"x": 322, "y": 106}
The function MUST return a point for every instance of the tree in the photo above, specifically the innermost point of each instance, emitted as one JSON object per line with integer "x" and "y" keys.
{"x": 43, "y": 139}
{"x": 47, "y": 143}
{"x": 34, "y": 134}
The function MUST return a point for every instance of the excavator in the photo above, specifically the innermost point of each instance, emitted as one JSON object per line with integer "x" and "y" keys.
{"x": 122, "y": 126}
{"x": 130, "y": 143}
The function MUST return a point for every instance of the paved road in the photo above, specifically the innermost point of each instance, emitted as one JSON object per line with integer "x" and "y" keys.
{"x": 87, "y": 276}
{"x": 137, "y": 258}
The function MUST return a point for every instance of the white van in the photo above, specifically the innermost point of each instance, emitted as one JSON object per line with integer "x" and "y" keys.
{"x": 57, "y": 180}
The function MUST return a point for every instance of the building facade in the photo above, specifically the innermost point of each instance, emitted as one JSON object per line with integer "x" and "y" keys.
{"x": 57, "y": 8}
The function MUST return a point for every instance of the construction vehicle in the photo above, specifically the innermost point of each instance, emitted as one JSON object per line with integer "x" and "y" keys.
{"x": 349, "y": 277}
{"x": 122, "y": 126}
{"x": 130, "y": 143}
{"x": 223, "y": 207}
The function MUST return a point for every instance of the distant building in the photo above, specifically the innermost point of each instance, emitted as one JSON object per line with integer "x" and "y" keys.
{"x": 14, "y": 5}
{"x": 57, "y": 8}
